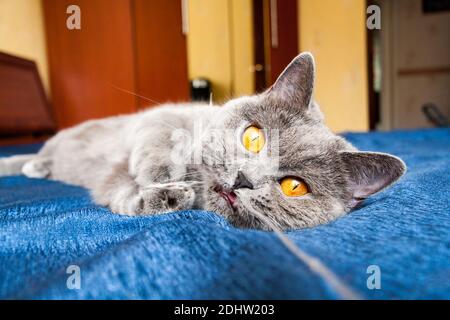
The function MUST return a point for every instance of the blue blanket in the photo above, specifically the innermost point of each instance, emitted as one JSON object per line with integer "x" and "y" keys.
{"x": 46, "y": 226}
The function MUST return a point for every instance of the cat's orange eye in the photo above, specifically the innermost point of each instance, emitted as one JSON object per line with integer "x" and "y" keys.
{"x": 253, "y": 139}
{"x": 293, "y": 187}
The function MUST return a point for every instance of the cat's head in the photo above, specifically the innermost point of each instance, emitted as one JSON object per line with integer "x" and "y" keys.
{"x": 271, "y": 154}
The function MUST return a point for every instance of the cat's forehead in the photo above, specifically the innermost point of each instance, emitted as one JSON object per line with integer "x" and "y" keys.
{"x": 293, "y": 125}
{"x": 307, "y": 142}
{"x": 265, "y": 113}
{"x": 299, "y": 136}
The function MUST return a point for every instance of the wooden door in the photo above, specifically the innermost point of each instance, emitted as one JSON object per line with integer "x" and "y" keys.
{"x": 88, "y": 65}
{"x": 125, "y": 49}
{"x": 161, "y": 54}
{"x": 416, "y": 68}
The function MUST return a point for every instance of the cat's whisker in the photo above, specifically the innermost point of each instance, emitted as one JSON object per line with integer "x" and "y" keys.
{"x": 182, "y": 177}
{"x": 167, "y": 124}
{"x": 187, "y": 174}
{"x": 135, "y": 94}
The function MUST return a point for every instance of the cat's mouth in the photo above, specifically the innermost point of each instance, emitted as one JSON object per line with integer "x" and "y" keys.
{"x": 228, "y": 195}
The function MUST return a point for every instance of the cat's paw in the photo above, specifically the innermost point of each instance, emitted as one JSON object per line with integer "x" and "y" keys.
{"x": 167, "y": 197}
{"x": 37, "y": 168}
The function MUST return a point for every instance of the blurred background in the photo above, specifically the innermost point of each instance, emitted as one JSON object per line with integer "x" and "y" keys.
{"x": 131, "y": 54}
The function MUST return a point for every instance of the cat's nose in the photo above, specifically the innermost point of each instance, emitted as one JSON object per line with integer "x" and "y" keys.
{"x": 242, "y": 182}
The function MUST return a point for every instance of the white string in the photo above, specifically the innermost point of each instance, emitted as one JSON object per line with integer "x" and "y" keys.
{"x": 313, "y": 263}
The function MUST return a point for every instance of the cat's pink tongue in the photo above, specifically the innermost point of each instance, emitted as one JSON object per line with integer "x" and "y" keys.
{"x": 230, "y": 196}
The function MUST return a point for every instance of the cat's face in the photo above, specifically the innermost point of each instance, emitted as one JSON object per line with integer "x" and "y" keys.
{"x": 271, "y": 155}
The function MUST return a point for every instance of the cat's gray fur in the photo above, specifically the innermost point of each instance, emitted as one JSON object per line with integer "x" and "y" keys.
{"x": 125, "y": 161}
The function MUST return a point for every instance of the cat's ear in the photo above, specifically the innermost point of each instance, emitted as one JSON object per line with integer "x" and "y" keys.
{"x": 295, "y": 84}
{"x": 370, "y": 172}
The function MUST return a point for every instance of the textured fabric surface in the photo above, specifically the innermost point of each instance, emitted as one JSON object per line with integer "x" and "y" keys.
{"x": 45, "y": 226}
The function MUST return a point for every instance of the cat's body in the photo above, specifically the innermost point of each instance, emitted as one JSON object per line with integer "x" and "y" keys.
{"x": 120, "y": 158}
{"x": 143, "y": 164}
{"x": 98, "y": 145}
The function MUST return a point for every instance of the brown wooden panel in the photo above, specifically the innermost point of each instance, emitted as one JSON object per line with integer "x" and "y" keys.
{"x": 284, "y": 19}
{"x": 87, "y": 65}
{"x": 161, "y": 59}
{"x": 24, "y": 106}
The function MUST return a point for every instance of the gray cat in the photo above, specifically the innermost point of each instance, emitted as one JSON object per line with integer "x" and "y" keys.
{"x": 266, "y": 157}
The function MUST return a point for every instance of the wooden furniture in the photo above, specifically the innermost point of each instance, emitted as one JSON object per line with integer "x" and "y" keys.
{"x": 124, "y": 49}
{"x": 161, "y": 60}
{"x": 25, "y": 114}
{"x": 416, "y": 63}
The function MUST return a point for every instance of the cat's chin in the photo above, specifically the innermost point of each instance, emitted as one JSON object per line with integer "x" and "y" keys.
{"x": 229, "y": 196}
{"x": 221, "y": 203}
{"x": 235, "y": 214}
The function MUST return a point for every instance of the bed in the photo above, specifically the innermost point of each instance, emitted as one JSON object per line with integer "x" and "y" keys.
{"x": 47, "y": 226}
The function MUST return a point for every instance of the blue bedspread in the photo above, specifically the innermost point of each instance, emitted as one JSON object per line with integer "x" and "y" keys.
{"x": 46, "y": 226}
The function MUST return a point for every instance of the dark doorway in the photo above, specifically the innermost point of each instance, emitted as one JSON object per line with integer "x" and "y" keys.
{"x": 374, "y": 73}
{"x": 275, "y": 25}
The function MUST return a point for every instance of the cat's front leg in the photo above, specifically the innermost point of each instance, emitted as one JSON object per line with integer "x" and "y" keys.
{"x": 120, "y": 192}
{"x": 153, "y": 199}
{"x": 164, "y": 197}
